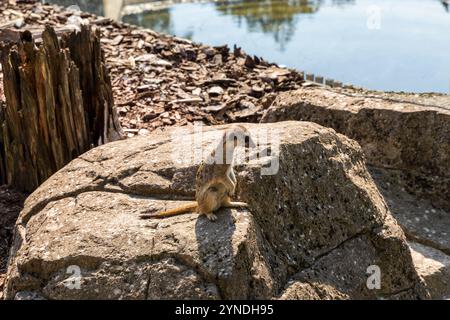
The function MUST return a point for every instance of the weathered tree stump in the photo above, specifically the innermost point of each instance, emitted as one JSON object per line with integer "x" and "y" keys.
{"x": 59, "y": 103}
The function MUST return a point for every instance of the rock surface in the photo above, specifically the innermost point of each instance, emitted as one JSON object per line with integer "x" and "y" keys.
{"x": 434, "y": 267}
{"x": 410, "y": 133}
{"x": 311, "y": 230}
{"x": 406, "y": 140}
{"x": 420, "y": 220}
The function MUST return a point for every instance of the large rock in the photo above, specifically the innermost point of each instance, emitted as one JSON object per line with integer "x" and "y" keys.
{"x": 434, "y": 267}
{"x": 420, "y": 220}
{"x": 312, "y": 229}
{"x": 426, "y": 226}
{"x": 406, "y": 141}
{"x": 405, "y": 132}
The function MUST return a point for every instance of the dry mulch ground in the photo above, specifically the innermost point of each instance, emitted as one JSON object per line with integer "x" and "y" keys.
{"x": 11, "y": 202}
{"x": 160, "y": 80}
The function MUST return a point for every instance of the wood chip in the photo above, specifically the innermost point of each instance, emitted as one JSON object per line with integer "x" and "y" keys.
{"x": 215, "y": 108}
{"x": 215, "y": 91}
{"x": 117, "y": 40}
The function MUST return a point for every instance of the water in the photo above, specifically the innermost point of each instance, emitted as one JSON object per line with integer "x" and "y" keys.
{"x": 394, "y": 45}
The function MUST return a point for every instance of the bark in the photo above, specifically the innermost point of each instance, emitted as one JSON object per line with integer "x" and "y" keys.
{"x": 59, "y": 104}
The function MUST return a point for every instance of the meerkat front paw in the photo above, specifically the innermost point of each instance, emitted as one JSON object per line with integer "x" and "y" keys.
{"x": 211, "y": 216}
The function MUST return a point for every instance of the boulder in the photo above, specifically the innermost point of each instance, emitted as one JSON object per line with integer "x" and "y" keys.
{"x": 420, "y": 219}
{"x": 403, "y": 132}
{"x": 433, "y": 266}
{"x": 315, "y": 226}
{"x": 406, "y": 141}
{"x": 425, "y": 225}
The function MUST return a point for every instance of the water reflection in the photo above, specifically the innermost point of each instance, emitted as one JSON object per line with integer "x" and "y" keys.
{"x": 93, "y": 6}
{"x": 276, "y": 17}
{"x": 160, "y": 21}
{"x": 342, "y": 3}
{"x": 279, "y": 18}
{"x": 332, "y": 38}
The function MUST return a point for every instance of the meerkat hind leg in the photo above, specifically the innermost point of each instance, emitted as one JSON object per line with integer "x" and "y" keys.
{"x": 236, "y": 204}
{"x": 208, "y": 204}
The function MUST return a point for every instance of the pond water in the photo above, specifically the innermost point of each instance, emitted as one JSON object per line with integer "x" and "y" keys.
{"x": 395, "y": 45}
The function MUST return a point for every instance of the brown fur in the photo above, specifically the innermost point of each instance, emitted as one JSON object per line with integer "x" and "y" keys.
{"x": 215, "y": 180}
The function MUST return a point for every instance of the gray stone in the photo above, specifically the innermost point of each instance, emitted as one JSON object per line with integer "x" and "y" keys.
{"x": 420, "y": 220}
{"x": 407, "y": 132}
{"x": 434, "y": 267}
{"x": 318, "y": 220}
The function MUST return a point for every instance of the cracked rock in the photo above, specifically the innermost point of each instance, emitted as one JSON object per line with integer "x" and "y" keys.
{"x": 313, "y": 227}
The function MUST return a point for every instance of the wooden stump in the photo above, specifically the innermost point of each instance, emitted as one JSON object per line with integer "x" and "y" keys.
{"x": 59, "y": 104}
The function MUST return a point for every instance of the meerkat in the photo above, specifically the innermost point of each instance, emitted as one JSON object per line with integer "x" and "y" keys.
{"x": 215, "y": 180}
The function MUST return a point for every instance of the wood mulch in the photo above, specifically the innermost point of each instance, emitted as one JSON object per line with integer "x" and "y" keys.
{"x": 160, "y": 80}
{"x": 11, "y": 202}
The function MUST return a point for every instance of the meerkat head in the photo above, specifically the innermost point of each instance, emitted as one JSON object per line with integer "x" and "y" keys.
{"x": 240, "y": 136}
{"x": 236, "y": 135}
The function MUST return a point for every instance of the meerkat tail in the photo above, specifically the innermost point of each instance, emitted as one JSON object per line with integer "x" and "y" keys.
{"x": 235, "y": 204}
{"x": 191, "y": 207}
